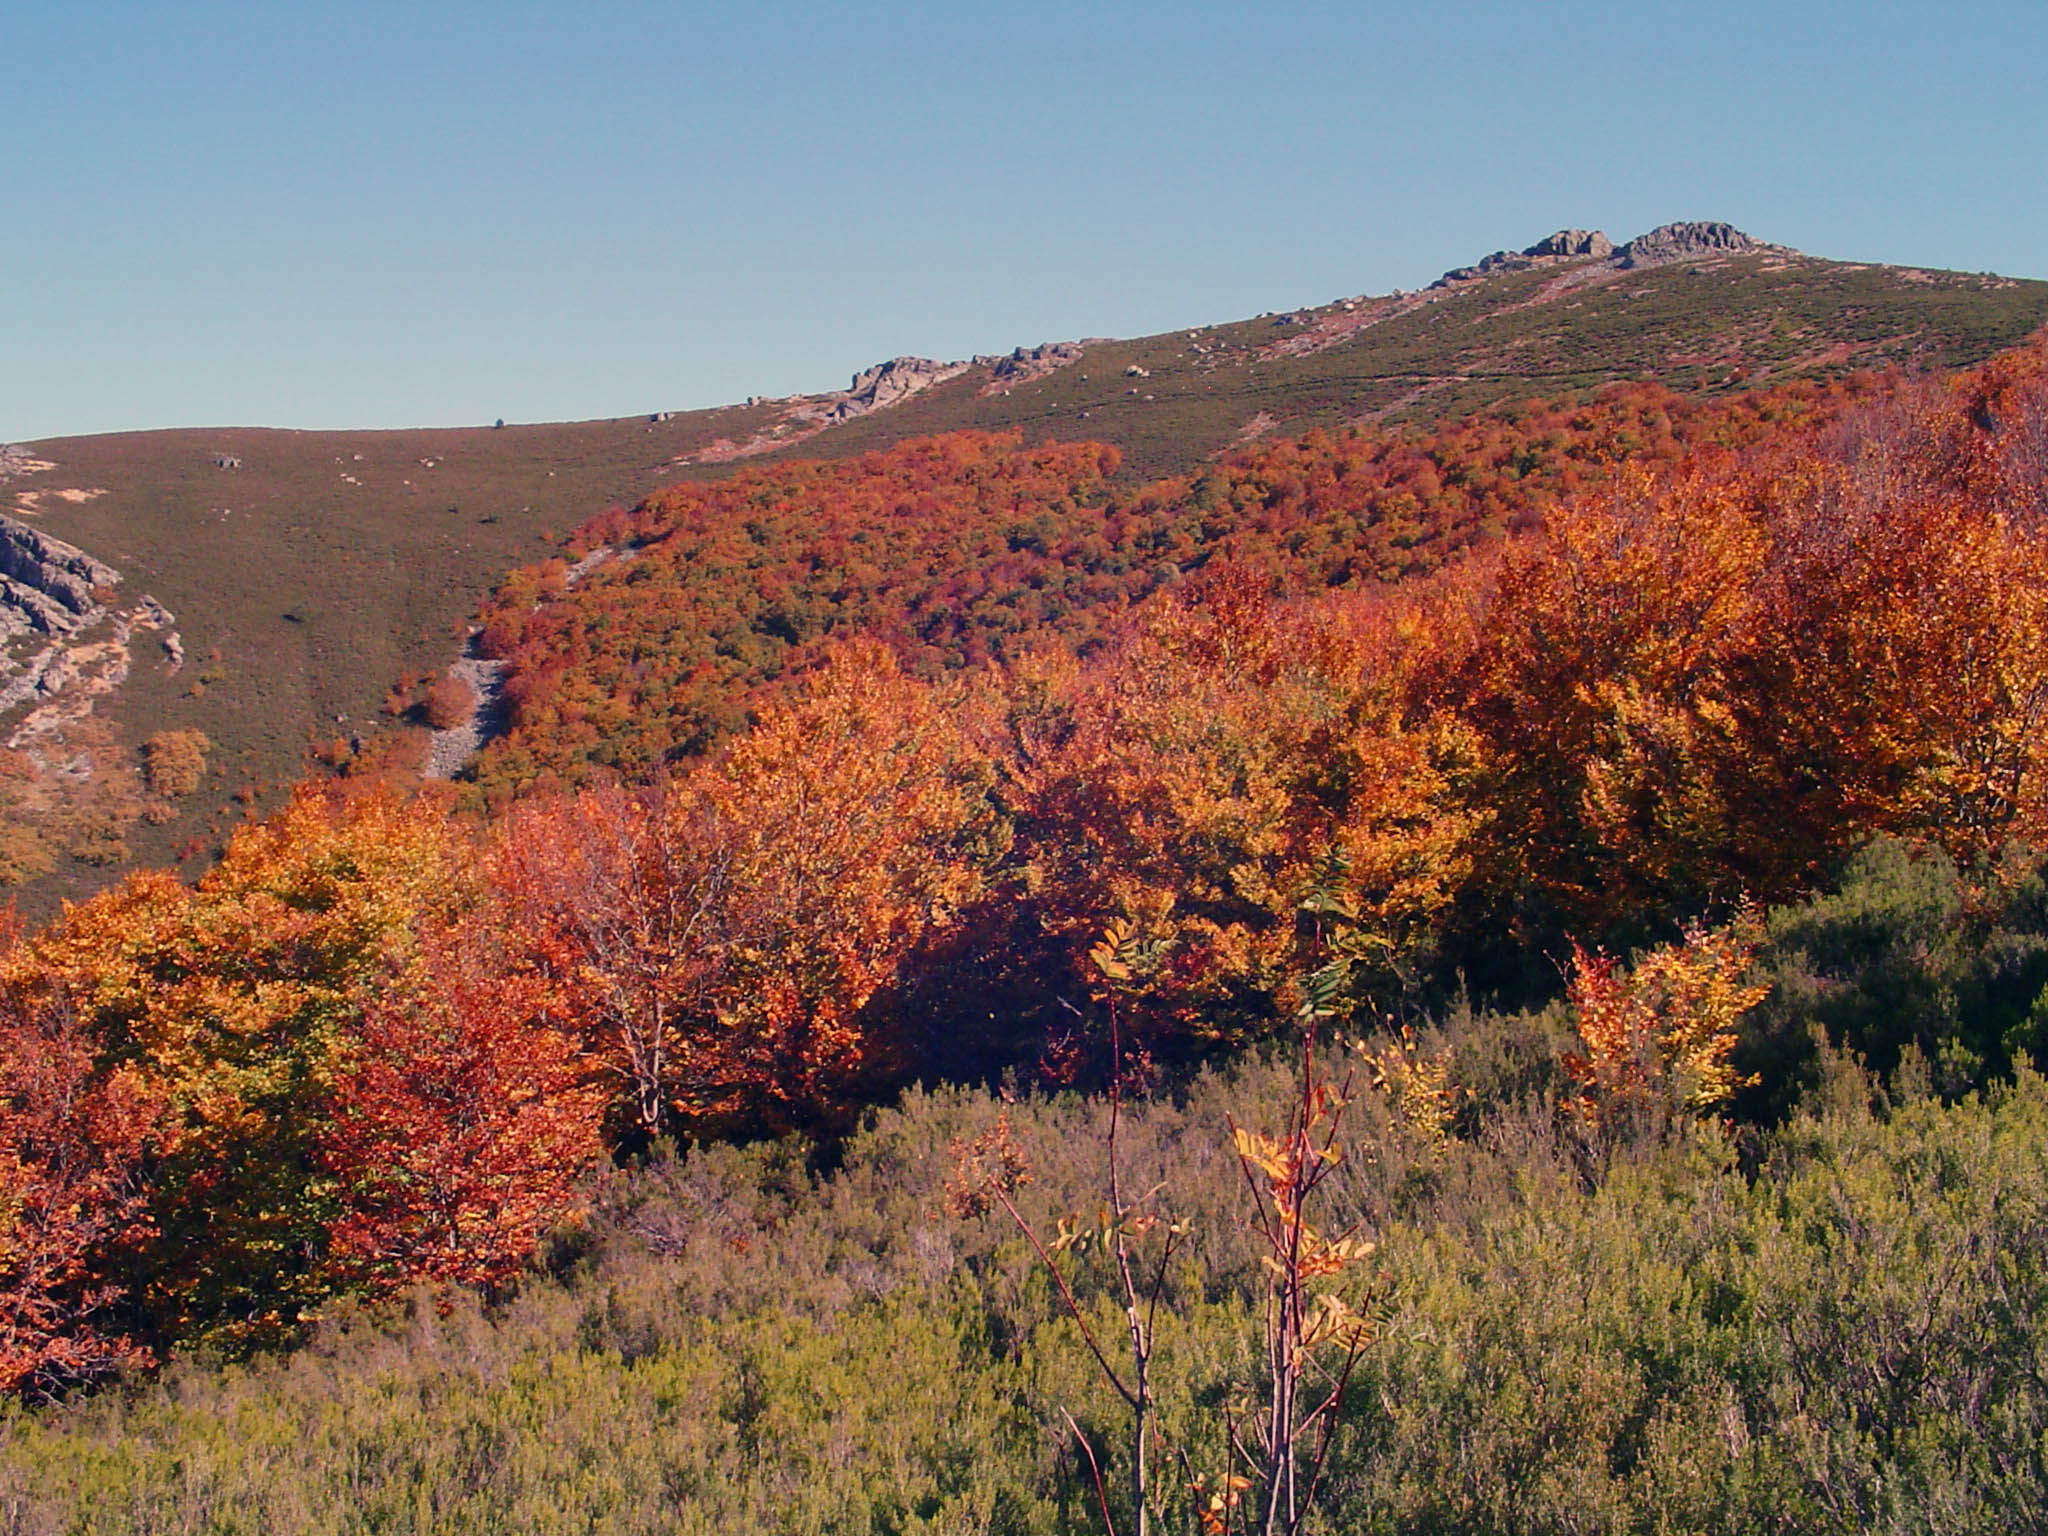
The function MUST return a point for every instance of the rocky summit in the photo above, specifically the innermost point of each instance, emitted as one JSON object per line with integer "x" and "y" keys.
{"x": 1692, "y": 240}
{"x": 1685, "y": 240}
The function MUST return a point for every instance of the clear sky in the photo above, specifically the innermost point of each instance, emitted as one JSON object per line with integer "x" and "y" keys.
{"x": 360, "y": 214}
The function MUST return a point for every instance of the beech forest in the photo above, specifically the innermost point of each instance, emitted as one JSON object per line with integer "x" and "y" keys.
{"x": 1484, "y": 977}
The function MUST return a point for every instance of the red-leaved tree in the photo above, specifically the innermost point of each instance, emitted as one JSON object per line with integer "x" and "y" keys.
{"x": 75, "y": 1137}
{"x": 460, "y": 1126}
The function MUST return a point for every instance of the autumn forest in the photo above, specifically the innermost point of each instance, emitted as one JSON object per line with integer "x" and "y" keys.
{"x": 1476, "y": 976}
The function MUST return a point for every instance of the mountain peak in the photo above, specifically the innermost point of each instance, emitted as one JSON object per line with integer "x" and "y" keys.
{"x": 1685, "y": 240}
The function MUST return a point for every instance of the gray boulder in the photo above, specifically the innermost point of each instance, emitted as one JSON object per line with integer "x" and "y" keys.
{"x": 1568, "y": 244}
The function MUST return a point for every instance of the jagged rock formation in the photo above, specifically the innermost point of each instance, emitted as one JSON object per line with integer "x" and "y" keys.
{"x": 877, "y": 388}
{"x": 1026, "y": 363}
{"x": 46, "y": 585}
{"x": 1689, "y": 240}
{"x": 1030, "y": 362}
{"x": 1565, "y": 245}
{"x": 57, "y": 592}
{"x": 1568, "y": 243}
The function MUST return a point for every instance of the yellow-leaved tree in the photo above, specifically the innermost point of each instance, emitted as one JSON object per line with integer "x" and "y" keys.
{"x": 1656, "y": 1038}
{"x": 238, "y": 1003}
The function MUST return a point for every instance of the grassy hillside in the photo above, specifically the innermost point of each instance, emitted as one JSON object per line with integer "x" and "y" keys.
{"x": 1737, "y": 322}
{"x": 330, "y": 564}
{"x": 306, "y": 581}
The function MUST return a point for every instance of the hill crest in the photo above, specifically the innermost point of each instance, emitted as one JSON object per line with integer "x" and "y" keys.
{"x": 311, "y": 570}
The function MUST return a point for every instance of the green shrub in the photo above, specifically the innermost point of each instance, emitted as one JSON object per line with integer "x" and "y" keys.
{"x": 1907, "y": 953}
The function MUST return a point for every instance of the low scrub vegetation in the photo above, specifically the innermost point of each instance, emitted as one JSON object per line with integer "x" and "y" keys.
{"x": 1841, "y": 1336}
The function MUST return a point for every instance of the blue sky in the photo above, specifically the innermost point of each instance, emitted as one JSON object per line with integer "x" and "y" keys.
{"x": 369, "y": 214}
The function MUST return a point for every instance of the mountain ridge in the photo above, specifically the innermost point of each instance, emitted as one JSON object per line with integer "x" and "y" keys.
{"x": 309, "y": 570}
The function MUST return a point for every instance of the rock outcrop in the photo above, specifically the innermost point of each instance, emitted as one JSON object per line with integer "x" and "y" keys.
{"x": 877, "y": 388}
{"x": 1570, "y": 243}
{"x": 1007, "y": 370}
{"x": 1690, "y": 240}
{"x": 68, "y": 677}
{"x": 1687, "y": 240}
{"x": 47, "y": 585}
{"x": 1030, "y": 362}
{"x": 58, "y": 600}
{"x": 1553, "y": 250}
{"x": 40, "y": 677}
{"x": 1485, "y": 266}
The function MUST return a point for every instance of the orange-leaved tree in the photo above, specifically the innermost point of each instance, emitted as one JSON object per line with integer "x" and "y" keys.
{"x": 237, "y": 1001}
{"x": 1656, "y": 1037}
{"x": 615, "y": 896}
{"x": 729, "y": 940}
{"x": 1898, "y": 679}
{"x": 1599, "y": 690}
{"x": 1194, "y": 783}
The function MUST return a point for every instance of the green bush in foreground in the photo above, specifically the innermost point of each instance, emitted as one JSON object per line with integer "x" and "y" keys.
{"x": 1843, "y": 1338}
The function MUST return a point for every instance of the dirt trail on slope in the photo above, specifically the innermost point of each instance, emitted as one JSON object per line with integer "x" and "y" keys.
{"x": 450, "y": 750}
